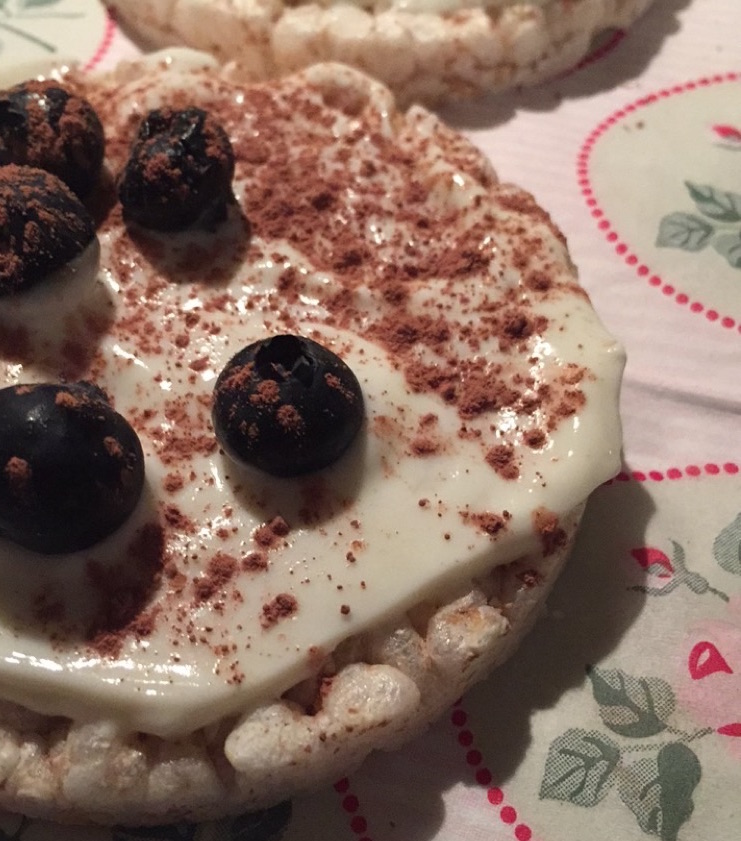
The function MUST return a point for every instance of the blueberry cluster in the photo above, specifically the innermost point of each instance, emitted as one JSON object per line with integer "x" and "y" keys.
{"x": 71, "y": 468}
{"x": 52, "y": 146}
{"x": 51, "y": 156}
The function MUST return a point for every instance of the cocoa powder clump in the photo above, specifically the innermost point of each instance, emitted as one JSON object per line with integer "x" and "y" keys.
{"x": 503, "y": 459}
{"x": 487, "y": 521}
{"x": 546, "y": 525}
{"x": 281, "y": 607}
{"x": 219, "y": 572}
{"x": 255, "y": 562}
{"x": 18, "y": 473}
{"x": 270, "y": 534}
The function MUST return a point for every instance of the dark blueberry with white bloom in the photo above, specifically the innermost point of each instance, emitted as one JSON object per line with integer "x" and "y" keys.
{"x": 287, "y": 405}
{"x": 179, "y": 173}
{"x": 42, "y": 124}
{"x": 43, "y": 226}
{"x": 71, "y": 467}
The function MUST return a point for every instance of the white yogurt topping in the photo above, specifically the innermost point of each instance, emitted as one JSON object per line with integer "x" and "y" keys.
{"x": 403, "y": 516}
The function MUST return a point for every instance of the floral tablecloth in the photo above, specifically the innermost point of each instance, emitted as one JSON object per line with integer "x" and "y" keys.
{"x": 621, "y": 715}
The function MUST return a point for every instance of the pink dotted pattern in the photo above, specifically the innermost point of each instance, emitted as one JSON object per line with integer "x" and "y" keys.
{"x": 621, "y": 248}
{"x": 691, "y": 471}
{"x": 351, "y": 805}
{"x": 483, "y": 776}
{"x": 104, "y": 45}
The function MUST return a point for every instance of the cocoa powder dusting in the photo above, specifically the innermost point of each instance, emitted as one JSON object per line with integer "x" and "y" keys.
{"x": 425, "y": 293}
{"x": 289, "y": 418}
{"x": 293, "y": 195}
{"x": 266, "y": 393}
{"x": 123, "y": 592}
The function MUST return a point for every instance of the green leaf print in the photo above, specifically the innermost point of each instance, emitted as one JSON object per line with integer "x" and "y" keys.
{"x": 727, "y": 547}
{"x": 658, "y": 790}
{"x": 729, "y": 246}
{"x": 681, "y": 576}
{"x": 31, "y": 4}
{"x": 685, "y": 231}
{"x": 580, "y": 767}
{"x": 636, "y": 707}
{"x": 646, "y": 758}
{"x": 717, "y": 204}
{"x": 679, "y": 773}
{"x": 19, "y": 6}
{"x": 20, "y": 11}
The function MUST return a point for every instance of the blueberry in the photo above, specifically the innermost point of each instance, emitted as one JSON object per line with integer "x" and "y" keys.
{"x": 43, "y": 225}
{"x": 71, "y": 468}
{"x": 179, "y": 171}
{"x": 44, "y": 125}
{"x": 287, "y": 405}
